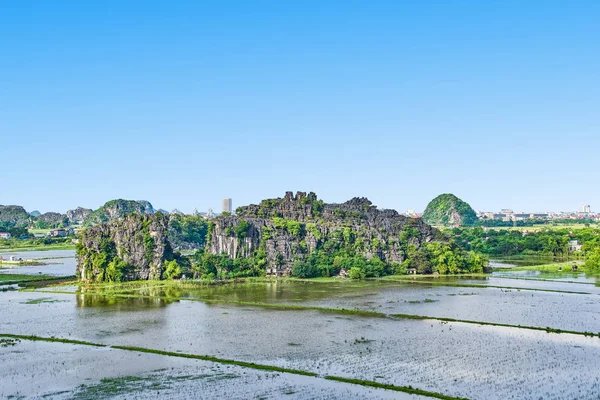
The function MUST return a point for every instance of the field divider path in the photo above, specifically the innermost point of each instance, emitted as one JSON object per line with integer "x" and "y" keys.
{"x": 244, "y": 364}
{"x": 356, "y": 311}
{"x": 475, "y": 285}
{"x": 543, "y": 280}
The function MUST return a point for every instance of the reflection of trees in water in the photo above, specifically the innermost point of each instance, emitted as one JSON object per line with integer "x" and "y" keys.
{"x": 272, "y": 291}
{"x": 119, "y": 303}
{"x": 159, "y": 295}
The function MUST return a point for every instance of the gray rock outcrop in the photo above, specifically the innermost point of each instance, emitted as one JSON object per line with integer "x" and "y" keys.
{"x": 381, "y": 233}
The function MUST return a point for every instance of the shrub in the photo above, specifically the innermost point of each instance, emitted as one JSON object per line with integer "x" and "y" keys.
{"x": 172, "y": 270}
{"x": 302, "y": 269}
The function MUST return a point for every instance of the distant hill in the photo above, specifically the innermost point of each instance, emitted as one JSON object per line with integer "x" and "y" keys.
{"x": 14, "y": 215}
{"x": 50, "y": 218}
{"x": 78, "y": 215}
{"x": 115, "y": 209}
{"x": 447, "y": 209}
{"x": 35, "y": 213}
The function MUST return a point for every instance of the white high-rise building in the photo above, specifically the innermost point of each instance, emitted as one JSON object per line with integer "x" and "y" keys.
{"x": 585, "y": 209}
{"x": 227, "y": 205}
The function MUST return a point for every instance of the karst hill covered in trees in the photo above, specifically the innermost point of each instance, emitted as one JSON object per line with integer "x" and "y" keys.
{"x": 296, "y": 235}
{"x": 448, "y": 210}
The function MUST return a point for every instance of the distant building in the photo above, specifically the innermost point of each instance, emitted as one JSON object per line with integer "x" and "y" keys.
{"x": 585, "y": 209}
{"x": 574, "y": 245}
{"x": 57, "y": 233}
{"x": 227, "y": 205}
{"x": 538, "y": 216}
{"x": 4, "y": 235}
{"x": 520, "y": 217}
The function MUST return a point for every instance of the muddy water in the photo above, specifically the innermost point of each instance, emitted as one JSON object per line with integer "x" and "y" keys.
{"x": 452, "y": 358}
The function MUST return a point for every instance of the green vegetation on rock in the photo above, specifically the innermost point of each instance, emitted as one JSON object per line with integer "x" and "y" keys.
{"x": 447, "y": 209}
{"x": 115, "y": 209}
{"x": 132, "y": 248}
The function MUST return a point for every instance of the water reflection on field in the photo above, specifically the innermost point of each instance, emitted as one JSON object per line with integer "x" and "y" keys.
{"x": 478, "y": 362}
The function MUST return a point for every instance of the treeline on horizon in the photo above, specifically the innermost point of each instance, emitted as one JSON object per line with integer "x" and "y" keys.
{"x": 546, "y": 244}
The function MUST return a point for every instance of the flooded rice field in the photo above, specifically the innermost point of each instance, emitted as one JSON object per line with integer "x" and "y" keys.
{"x": 56, "y": 262}
{"x": 308, "y": 328}
{"x": 84, "y": 373}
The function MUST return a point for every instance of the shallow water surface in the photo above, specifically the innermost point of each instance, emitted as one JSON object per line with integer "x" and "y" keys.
{"x": 57, "y": 263}
{"x": 477, "y": 362}
{"x": 81, "y": 372}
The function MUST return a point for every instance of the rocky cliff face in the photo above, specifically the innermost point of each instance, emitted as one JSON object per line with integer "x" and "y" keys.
{"x": 78, "y": 215}
{"x": 135, "y": 246}
{"x": 51, "y": 218}
{"x": 14, "y": 215}
{"x": 116, "y": 209}
{"x": 291, "y": 228}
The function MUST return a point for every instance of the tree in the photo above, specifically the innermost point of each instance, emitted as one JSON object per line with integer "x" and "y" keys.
{"x": 592, "y": 261}
{"x": 302, "y": 269}
{"x": 241, "y": 229}
{"x": 172, "y": 270}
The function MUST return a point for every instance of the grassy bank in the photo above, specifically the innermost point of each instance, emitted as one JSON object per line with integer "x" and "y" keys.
{"x": 553, "y": 267}
{"x": 34, "y": 281}
{"x": 36, "y": 247}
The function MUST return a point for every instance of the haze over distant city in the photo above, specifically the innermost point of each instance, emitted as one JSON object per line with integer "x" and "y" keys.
{"x": 183, "y": 105}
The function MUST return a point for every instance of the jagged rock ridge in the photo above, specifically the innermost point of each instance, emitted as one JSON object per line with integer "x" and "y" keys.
{"x": 78, "y": 215}
{"x": 115, "y": 209}
{"x": 381, "y": 233}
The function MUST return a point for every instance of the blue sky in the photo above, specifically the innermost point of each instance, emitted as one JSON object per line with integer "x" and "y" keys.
{"x": 183, "y": 103}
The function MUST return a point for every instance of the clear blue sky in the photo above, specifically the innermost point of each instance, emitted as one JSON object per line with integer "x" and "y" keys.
{"x": 183, "y": 103}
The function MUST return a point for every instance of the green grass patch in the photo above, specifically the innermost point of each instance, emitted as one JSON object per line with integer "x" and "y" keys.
{"x": 245, "y": 364}
{"x": 8, "y": 342}
{"x": 38, "y": 247}
{"x": 19, "y": 278}
{"x": 387, "y": 386}
{"x": 554, "y": 268}
{"x": 50, "y": 339}
{"x": 42, "y": 300}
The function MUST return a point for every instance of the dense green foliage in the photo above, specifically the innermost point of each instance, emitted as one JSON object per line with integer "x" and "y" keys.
{"x": 441, "y": 209}
{"x": 172, "y": 270}
{"x": 211, "y": 266}
{"x": 46, "y": 242}
{"x": 13, "y": 229}
{"x": 504, "y": 242}
{"x": 105, "y": 265}
{"x": 187, "y": 231}
{"x": 544, "y": 246}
